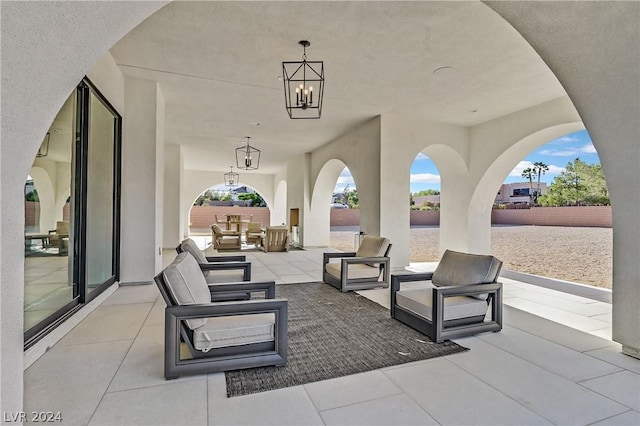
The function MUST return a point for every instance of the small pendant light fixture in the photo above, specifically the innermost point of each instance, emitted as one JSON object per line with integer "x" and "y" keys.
{"x": 247, "y": 157}
{"x": 43, "y": 151}
{"x": 303, "y": 86}
{"x": 231, "y": 178}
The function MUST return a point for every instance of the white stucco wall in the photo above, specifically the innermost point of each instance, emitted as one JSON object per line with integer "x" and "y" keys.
{"x": 173, "y": 214}
{"x": 402, "y": 139}
{"x": 279, "y": 211}
{"x": 599, "y": 67}
{"x": 142, "y": 163}
{"x": 34, "y": 36}
{"x": 359, "y": 150}
{"x": 298, "y": 193}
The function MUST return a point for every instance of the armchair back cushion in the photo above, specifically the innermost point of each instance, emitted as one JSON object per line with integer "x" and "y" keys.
{"x": 254, "y": 227}
{"x": 190, "y": 246}
{"x": 372, "y": 246}
{"x": 187, "y": 284}
{"x": 457, "y": 268}
{"x": 62, "y": 227}
{"x": 216, "y": 230}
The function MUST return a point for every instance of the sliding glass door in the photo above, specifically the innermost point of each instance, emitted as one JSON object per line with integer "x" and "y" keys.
{"x": 73, "y": 187}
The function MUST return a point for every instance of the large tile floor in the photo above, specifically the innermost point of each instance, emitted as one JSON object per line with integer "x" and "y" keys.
{"x": 553, "y": 363}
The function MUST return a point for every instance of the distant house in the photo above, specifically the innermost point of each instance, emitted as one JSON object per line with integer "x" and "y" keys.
{"x": 518, "y": 192}
{"x": 509, "y": 193}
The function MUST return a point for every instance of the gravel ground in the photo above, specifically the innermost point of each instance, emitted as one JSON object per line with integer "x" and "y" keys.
{"x": 582, "y": 255}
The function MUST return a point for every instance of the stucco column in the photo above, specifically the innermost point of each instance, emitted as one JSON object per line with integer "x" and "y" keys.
{"x": 142, "y": 168}
{"x": 173, "y": 217}
{"x": 608, "y": 103}
{"x": 394, "y": 199}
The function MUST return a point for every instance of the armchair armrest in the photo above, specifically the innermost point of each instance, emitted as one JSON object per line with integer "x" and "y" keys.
{"x": 383, "y": 261}
{"x": 398, "y": 279}
{"x": 268, "y": 287}
{"x": 327, "y": 256}
{"x": 440, "y": 293}
{"x": 239, "y": 258}
{"x": 175, "y": 315}
{"x": 360, "y": 260}
{"x": 226, "y": 266}
{"x": 467, "y": 290}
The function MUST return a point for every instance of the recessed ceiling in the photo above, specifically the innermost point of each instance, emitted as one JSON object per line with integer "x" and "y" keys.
{"x": 218, "y": 64}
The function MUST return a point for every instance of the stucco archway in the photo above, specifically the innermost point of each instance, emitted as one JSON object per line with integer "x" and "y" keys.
{"x": 484, "y": 193}
{"x": 317, "y": 221}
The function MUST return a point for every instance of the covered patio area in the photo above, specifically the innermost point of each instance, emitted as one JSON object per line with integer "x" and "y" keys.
{"x": 553, "y": 363}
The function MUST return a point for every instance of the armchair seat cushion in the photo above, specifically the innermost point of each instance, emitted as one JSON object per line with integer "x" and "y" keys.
{"x": 230, "y": 241}
{"x": 237, "y": 330}
{"x": 356, "y": 270}
{"x": 419, "y": 301}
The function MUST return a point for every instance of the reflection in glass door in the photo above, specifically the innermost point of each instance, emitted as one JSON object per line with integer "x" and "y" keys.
{"x": 49, "y": 262}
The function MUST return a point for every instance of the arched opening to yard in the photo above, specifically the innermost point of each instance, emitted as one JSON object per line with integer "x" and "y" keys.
{"x": 218, "y": 203}
{"x": 552, "y": 215}
{"x": 424, "y": 220}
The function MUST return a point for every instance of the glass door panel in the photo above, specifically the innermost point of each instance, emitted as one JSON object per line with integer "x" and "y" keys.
{"x": 100, "y": 194}
{"x": 49, "y": 223}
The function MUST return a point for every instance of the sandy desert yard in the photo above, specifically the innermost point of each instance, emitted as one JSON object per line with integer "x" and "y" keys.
{"x": 582, "y": 255}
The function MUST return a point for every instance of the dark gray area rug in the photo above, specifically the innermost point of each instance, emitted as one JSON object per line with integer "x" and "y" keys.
{"x": 334, "y": 334}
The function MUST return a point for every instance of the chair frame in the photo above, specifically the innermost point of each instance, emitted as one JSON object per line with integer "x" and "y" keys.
{"x": 229, "y": 358}
{"x": 225, "y": 263}
{"x": 437, "y": 329}
{"x": 345, "y": 284}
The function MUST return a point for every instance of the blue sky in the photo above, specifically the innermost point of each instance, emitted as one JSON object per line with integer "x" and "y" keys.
{"x": 556, "y": 154}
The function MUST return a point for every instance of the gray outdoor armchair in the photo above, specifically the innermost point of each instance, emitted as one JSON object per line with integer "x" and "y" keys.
{"x": 359, "y": 270}
{"x": 453, "y": 300}
{"x": 219, "y": 336}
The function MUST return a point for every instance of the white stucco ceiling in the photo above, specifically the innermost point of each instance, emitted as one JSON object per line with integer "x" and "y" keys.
{"x": 218, "y": 62}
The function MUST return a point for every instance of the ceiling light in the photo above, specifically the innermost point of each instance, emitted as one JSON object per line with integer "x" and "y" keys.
{"x": 231, "y": 178}
{"x": 247, "y": 157}
{"x": 302, "y": 82}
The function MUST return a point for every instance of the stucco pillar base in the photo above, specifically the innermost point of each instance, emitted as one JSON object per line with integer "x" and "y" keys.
{"x": 628, "y": 350}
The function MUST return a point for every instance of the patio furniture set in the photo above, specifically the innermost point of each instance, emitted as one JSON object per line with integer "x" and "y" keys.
{"x": 214, "y": 324}
{"x": 271, "y": 238}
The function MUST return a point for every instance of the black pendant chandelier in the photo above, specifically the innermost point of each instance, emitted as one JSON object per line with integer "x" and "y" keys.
{"x": 231, "y": 178}
{"x": 247, "y": 157}
{"x": 303, "y": 86}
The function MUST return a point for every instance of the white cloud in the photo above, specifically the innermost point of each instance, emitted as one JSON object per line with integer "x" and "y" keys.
{"x": 517, "y": 171}
{"x": 567, "y": 139}
{"x": 424, "y": 178}
{"x": 421, "y": 157}
{"x": 571, "y": 152}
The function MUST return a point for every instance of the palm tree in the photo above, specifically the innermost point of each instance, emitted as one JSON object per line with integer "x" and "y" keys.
{"x": 539, "y": 168}
{"x": 528, "y": 174}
